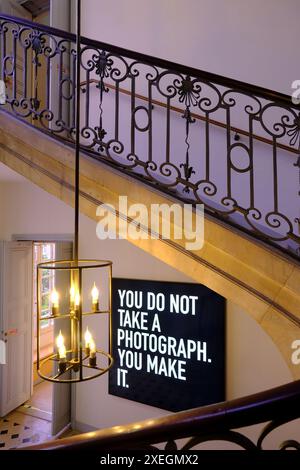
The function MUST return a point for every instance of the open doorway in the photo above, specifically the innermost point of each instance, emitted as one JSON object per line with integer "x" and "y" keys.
{"x": 27, "y": 401}
{"x": 41, "y": 402}
{"x": 30, "y": 411}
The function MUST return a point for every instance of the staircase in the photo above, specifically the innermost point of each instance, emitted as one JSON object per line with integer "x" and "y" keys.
{"x": 161, "y": 132}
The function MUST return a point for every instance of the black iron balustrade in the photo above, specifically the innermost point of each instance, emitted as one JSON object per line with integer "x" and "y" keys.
{"x": 219, "y": 422}
{"x": 200, "y": 137}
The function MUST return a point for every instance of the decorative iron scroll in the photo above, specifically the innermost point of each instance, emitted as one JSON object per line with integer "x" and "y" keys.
{"x": 171, "y": 126}
{"x": 221, "y": 423}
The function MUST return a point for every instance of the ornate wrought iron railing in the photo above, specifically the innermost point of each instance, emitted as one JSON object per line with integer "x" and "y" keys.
{"x": 219, "y": 422}
{"x": 200, "y": 137}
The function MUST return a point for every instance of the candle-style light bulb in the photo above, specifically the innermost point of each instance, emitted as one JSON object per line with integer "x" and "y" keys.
{"x": 92, "y": 348}
{"x": 62, "y": 352}
{"x": 88, "y": 339}
{"x": 55, "y": 302}
{"x": 60, "y": 341}
{"x": 62, "y": 358}
{"x": 72, "y": 297}
{"x": 95, "y": 298}
{"x": 77, "y": 300}
{"x": 93, "y": 357}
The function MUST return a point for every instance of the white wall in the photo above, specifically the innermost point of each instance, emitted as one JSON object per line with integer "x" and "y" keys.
{"x": 60, "y": 14}
{"x": 256, "y": 42}
{"x": 253, "y": 362}
{"x": 251, "y": 41}
{"x": 9, "y": 7}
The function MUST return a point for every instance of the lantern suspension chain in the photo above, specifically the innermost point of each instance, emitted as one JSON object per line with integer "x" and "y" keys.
{"x": 77, "y": 141}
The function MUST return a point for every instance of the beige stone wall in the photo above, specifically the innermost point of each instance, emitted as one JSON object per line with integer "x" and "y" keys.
{"x": 258, "y": 279}
{"x": 253, "y": 361}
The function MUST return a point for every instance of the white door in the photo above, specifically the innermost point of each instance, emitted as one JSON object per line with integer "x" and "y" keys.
{"x": 16, "y": 324}
{"x": 61, "y": 401}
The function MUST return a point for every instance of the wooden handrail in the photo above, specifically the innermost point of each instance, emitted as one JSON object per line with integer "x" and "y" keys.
{"x": 255, "y": 90}
{"x": 237, "y": 85}
{"x": 269, "y": 227}
{"x": 280, "y": 403}
{"x": 194, "y": 115}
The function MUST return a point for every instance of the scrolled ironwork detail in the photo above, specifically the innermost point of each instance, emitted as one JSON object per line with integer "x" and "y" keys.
{"x": 188, "y": 92}
{"x": 232, "y": 437}
{"x": 36, "y": 42}
{"x": 294, "y": 132}
{"x": 290, "y": 444}
{"x": 187, "y": 144}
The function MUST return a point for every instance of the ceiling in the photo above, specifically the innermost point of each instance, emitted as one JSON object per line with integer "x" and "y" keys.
{"x": 8, "y": 175}
{"x": 35, "y": 7}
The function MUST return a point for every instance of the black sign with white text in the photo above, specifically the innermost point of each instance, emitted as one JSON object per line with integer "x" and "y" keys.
{"x": 168, "y": 344}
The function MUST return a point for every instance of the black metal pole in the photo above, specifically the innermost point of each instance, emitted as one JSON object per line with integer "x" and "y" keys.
{"x": 77, "y": 142}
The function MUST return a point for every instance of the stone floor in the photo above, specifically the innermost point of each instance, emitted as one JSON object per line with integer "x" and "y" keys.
{"x": 42, "y": 396}
{"x": 40, "y": 404}
{"x": 31, "y": 422}
{"x": 21, "y": 430}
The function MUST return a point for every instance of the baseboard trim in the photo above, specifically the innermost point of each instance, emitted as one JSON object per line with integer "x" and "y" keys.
{"x": 83, "y": 427}
{"x": 60, "y": 433}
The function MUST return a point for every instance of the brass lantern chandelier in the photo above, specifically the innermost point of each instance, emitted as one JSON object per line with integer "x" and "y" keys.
{"x": 75, "y": 302}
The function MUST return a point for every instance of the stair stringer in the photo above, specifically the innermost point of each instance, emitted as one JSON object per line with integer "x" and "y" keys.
{"x": 263, "y": 281}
